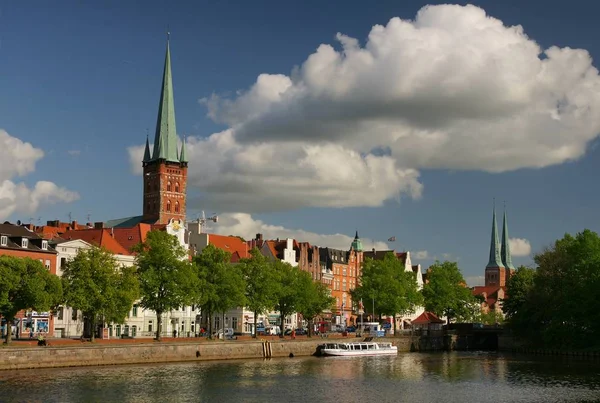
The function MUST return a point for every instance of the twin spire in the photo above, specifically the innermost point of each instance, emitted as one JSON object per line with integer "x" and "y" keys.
{"x": 500, "y": 255}
{"x": 165, "y": 138}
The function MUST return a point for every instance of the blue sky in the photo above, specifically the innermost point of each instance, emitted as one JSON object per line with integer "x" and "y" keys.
{"x": 81, "y": 82}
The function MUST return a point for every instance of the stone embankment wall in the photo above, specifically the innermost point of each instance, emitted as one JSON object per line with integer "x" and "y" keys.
{"x": 155, "y": 352}
{"x": 90, "y": 355}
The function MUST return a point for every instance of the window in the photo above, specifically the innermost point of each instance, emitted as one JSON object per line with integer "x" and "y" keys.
{"x": 344, "y": 285}
{"x": 168, "y": 205}
{"x": 168, "y": 186}
{"x": 135, "y": 311}
{"x": 118, "y": 331}
{"x": 150, "y": 326}
{"x": 3, "y": 240}
{"x": 24, "y": 243}
{"x": 47, "y": 264}
{"x": 59, "y": 313}
{"x": 344, "y": 270}
{"x": 44, "y": 245}
{"x": 234, "y": 323}
{"x": 177, "y": 207}
{"x": 177, "y": 187}
{"x": 133, "y": 331}
{"x": 126, "y": 330}
{"x": 63, "y": 261}
{"x": 74, "y": 314}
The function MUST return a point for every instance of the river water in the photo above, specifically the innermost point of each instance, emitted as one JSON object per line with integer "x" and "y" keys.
{"x": 409, "y": 377}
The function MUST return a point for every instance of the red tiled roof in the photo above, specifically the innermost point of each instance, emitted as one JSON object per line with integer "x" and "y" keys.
{"x": 129, "y": 237}
{"x": 427, "y": 317}
{"x": 232, "y": 244}
{"x": 98, "y": 237}
{"x": 488, "y": 290}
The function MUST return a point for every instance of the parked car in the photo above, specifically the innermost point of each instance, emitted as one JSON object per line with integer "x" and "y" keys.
{"x": 228, "y": 333}
{"x": 301, "y": 332}
{"x": 351, "y": 329}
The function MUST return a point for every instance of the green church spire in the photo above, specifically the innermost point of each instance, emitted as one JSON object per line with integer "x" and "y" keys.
{"x": 182, "y": 156}
{"x": 357, "y": 243}
{"x": 505, "y": 253}
{"x": 495, "y": 259}
{"x": 165, "y": 140}
{"x": 147, "y": 151}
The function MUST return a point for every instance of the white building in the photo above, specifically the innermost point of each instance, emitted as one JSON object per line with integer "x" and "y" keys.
{"x": 139, "y": 322}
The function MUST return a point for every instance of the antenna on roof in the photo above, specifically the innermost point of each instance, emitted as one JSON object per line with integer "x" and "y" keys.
{"x": 88, "y": 216}
{"x": 39, "y": 220}
{"x": 70, "y": 216}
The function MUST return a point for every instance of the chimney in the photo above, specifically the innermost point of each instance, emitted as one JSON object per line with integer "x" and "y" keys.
{"x": 373, "y": 250}
{"x": 98, "y": 225}
{"x": 259, "y": 237}
{"x": 74, "y": 225}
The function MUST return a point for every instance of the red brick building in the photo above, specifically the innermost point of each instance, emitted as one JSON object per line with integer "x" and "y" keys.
{"x": 20, "y": 241}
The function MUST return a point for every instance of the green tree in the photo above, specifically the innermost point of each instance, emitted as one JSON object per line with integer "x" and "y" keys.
{"x": 26, "y": 284}
{"x": 223, "y": 283}
{"x": 167, "y": 279}
{"x": 95, "y": 283}
{"x": 314, "y": 298}
{"x": 386, "y": 283}
{"x": 287, "y": 292}
{"x": 518, "y": 289}
{"x": 446, "y": 293}
{"x": 260, "y": 284}
{"x": 560, "y": 309}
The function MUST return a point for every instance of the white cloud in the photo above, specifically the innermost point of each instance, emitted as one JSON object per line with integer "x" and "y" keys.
{"x": 420, "y": 254}
{"x": 473, "y": 281}
{"x": 242, "y": 224}
{"x": 18, "y": 159}
{"x": 519, "y": 247}
{"x": 353, "y": 125}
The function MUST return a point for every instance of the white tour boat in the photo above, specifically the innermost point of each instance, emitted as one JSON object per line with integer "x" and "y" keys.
{"x": 359, "y": 348}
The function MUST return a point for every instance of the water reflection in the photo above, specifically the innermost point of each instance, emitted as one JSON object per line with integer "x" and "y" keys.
{"x": 448, "y": 377}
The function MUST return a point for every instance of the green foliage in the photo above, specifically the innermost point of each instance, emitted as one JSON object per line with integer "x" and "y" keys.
{"x": 260, "y": 283}
{"x": 287, "y": 290}
{"x": 26, "y": 284}
{"x": 97, "y": 285}
{"x": 446, "y": 293}
{"x": 167, "y": 279}
{"x": 223, "y": 285}
{"x": 314, "y": 298}
{"x": 560, "y": 308}
{"x": 518, "y": 287}
{"x": 393, "y": 289}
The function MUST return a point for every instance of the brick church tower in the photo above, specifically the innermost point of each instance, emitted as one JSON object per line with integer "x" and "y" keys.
{"x": 500, "y": 266}
{"x": 165, "y": 170}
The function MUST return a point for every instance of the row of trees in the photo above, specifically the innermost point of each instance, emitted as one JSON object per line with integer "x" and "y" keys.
{"x": 556, "y": 305}
{"x": 394, "y": 291}
{"x": 162, "y": 279}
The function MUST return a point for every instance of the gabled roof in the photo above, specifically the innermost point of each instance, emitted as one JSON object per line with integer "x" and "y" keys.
{"x": 276, "y": 247}
{"x": 129, "y": 237}
{"x": 425, "y": 318}
{"x": 402, "y": 256}
{"x": 232, "y": 244}
{"x": 98, "y": 237}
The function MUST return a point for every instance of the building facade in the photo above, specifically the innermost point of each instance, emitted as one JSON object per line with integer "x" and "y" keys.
{"x": 20, "y": 241}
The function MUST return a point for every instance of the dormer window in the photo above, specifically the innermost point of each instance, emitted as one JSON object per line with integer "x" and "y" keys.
{"x": 24, "y": 243}
{"x": 3, "y": 240}
{"x": 44, "y": 245}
